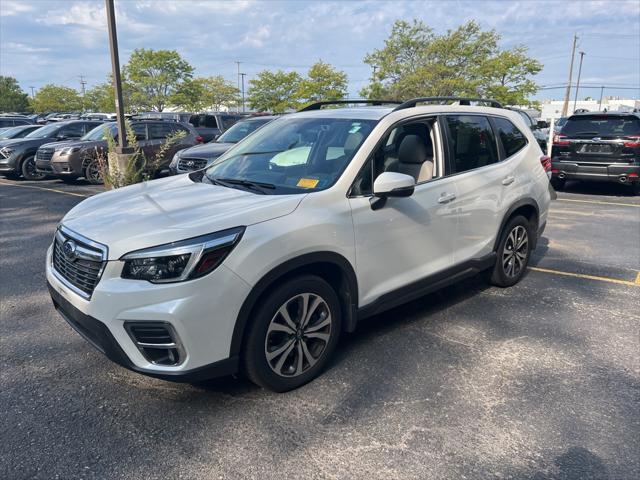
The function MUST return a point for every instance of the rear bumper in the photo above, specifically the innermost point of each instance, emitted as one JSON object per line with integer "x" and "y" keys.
{"x": 618, "y": 173}
{"x": 98, "y": 335}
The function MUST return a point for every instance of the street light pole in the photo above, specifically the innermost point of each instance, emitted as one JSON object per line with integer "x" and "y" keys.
{"x": 243, "y": 75}
{"x": 575, "y": 100}
{"x": 117, "y": 81}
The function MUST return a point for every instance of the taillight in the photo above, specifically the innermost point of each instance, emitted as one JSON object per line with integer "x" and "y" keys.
{"x": 199, "y": 139}
{"x": 560, "y": 140}
{"x": 632, "y": 142}
{"x": 545, "y": 160}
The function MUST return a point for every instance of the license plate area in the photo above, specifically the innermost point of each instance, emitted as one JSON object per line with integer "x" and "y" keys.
{"x": 595, "y": 148}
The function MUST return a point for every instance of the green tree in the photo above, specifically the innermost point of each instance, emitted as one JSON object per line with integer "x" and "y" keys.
{"x": 100, "y": 98}
{"x": 205, "y": 93}
{"x": 57, "y": 98}
{"x": 154, "y": 76}
{"x": 323, "y": 82}
{"x": 12, "y": 98}
{"x": 466, "y": 61}
{"x": 274, "y": 91}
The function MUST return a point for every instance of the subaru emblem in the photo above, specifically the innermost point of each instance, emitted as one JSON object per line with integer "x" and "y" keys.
{"x": 69, "y": 249}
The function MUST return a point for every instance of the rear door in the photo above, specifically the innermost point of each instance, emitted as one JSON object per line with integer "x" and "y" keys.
{"x": 593, "y": 142}
{"x": 481, "y": 181}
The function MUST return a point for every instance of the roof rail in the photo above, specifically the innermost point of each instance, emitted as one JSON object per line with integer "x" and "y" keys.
{"x": 319, "y": 105}
{"x": 441, "y": 100}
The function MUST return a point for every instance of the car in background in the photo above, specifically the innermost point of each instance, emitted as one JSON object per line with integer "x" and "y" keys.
{"x": 17, "y": 155}
{"x": 597, "y": 146}
{"x": 558, "y": 124}
{"x": 208, "y": 125}
{"x": 201, "y": 156}
{"x": 7, "y": 121}
{"x": 81, "y": 158}
{"x": 19, "y": 131}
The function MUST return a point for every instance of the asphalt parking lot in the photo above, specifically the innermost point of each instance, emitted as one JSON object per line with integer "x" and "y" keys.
{"x": 540, "y": 381}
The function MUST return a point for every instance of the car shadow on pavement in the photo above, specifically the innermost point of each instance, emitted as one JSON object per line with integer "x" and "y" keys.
{"x": 598, "y": 188}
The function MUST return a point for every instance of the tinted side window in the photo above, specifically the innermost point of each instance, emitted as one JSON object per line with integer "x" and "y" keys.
{"x": 159, "y": 131}
{"x": 75, "y": 130}
{"x": 229, "y": 120}
{"x": 5, "y": 123}
{"x": 513, "y": 140}
{"x": 209, "y": 121}
{"x": 472, "y": 142}
{"x": 140, "y": 129}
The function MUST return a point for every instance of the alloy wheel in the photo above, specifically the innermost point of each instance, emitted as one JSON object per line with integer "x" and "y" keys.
{"x": 516, "y": 249}
{"x": 298, "y": 335}
{"x": 29, "y": 170}
{"x": 93, "y": 173}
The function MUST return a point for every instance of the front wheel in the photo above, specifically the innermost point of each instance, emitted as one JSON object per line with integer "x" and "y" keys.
{"x": 293, "y": 334}
{"x": 93, "y": 172}
{"x": 513, "y": 252}
{"x": 29, "y": 171}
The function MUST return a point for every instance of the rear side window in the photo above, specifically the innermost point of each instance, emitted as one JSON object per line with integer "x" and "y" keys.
{"x": 229, "y": 120}
{"x": 159, "y": 131}
{"x": 75, "y": 130}
{"x": 513, "y": 140}
{"x": 472, "y": 140}
{"x": 601, "y": 125}
{"x": 140, "y": 129}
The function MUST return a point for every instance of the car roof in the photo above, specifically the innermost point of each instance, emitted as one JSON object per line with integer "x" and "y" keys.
{"x": 362, "y": 113}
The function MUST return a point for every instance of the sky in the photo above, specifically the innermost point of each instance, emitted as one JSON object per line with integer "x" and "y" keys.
{"x": 45, "y": 41}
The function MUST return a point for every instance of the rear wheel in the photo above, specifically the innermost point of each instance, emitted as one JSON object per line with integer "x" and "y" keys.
{"x": 93, "y": 173}
{"x": 29, "y": 171}
{"x": 293, "y": 335}
{"x": 513, "y": 252}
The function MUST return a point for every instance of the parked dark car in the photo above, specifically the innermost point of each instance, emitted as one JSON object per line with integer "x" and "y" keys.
{"x": 17, "y": 132}
{"x": 208, "y": 125}
{"x": 17, "y": 156}
{"x": 597, "y": 147}
{"x": 539, "y": 132}
{"x": 13, "y": 120}
{"x": 198, "y": 157}
{"x": 80, "y": 158}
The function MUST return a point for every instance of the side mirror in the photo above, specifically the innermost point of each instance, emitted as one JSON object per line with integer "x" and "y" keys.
{"x": 542, "y": 124}
{"x": 61, "y": 137}
{"x": 391, "y": 184}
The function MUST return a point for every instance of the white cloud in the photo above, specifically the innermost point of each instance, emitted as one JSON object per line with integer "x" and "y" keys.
{"x": 12, "y": 7}
{"x": 16, "y": 47}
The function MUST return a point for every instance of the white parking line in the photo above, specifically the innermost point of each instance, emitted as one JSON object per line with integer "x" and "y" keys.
{"x": 598, "y": 202}
{"x": 47, "y": 189}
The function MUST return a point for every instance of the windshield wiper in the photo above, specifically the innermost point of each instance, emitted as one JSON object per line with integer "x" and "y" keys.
{"x": 232, "y": 182}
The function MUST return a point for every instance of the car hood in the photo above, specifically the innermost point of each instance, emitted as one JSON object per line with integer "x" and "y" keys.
{"x": 75, "y": 143}
{"x": 20, "y": 143}
{"x": 207, "y": 150}
{"x": 170, "y": 209}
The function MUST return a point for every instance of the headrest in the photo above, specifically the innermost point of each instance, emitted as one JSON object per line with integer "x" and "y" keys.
{"x": 413, "y": 150}
{"x": 352, "y": 142}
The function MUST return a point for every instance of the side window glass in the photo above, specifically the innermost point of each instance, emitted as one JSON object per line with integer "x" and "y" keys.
{"x": 75, "y": 130}
{"x": 513, "y": 140}
{"x": 159, "y": 131}
{"x": 140, "y": 130}
{"x": 210, "y": 121}
{"x": 473, "y": 142}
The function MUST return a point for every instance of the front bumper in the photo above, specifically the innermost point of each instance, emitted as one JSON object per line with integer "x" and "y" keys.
{"x": 8, "y": 164}
{"x": 203, "y": 312}
{"x": 618, "y": 173}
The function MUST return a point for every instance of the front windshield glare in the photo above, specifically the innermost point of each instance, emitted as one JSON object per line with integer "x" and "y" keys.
{"x": 100, "y": 132}
{"x": 46, "y": 131}
{"x": 240, "y": 130}
{"x": 295, "y": 154}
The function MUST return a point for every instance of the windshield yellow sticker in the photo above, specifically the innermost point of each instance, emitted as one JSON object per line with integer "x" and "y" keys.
{"x": 308, "y": 182}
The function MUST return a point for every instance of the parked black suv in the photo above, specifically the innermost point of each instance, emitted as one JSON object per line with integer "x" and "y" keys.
{"x": 17, "y": 156}
{"x": 208, "y": 125}
{"x": 79, "y": 158}
{"x": 598, "y": 147}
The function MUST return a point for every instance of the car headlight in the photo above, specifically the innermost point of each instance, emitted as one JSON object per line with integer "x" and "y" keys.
{"x": 175, "y": 159}
{"x": 69, "y": 150}
{"x": 6, "y": 151}
{"x": 180, "y": 261}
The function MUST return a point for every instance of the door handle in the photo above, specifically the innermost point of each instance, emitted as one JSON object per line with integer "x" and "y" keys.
{"x": 446, "y": 197}
{"x": 508, "y": 180}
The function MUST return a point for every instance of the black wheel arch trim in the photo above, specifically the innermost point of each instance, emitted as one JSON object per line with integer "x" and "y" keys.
{"x": 523, "y": 202}
{"x": 348, "y": 298}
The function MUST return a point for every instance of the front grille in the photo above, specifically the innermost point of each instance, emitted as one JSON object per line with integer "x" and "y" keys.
{"x": 44, "y": 154}
{"x": 188, "y": 164}
{"x": 78, "y": 262}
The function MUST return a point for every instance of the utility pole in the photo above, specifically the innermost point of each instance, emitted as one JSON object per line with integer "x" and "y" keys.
{"x": 117, "y": 82}
{"x": 565, "y": 106}
{"x": 243, "y": 75}
{"x": 238, "y": 64}
{"x": 601, "y": 95}
{"x": 575, "y": 101}
{"x": 82, "y": 88}
{"x": 32, "y": 90}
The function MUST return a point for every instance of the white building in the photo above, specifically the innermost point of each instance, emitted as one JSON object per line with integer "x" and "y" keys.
{"x": 553, "y": 108}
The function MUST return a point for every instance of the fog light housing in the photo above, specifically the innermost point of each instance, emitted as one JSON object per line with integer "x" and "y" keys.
{"x": 157, "y": 341}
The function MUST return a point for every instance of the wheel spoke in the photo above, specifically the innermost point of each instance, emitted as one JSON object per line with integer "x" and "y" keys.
{"x": 320, "y": 336}
{"x": 320, "y": 325}
{"x": 280, "y": 327}
{"x": 310, "y": 358}
{"x": 283, "y": 358}
{"x": 287, "y": 318}
{"x": 304, "y": 308}
{"x": 280, "y": 350}
{"x": 314, "y": 305}
{"x": 300, "y": 359}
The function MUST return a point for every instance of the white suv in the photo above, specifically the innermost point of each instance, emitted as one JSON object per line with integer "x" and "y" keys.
{"x": 315, "y": 222}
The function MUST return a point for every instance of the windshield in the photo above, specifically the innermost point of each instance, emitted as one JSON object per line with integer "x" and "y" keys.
{"x": 46, "y": 131}
{"x": 240, "y": 130}
{"x": 14, "y": 132}
{"x": 98, "y": 133}
{"x": 294, "y": 155}
{"x": 602, "y": 125}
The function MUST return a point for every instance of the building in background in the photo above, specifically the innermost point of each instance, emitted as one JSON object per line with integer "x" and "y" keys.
{"x": 553, "y": 108}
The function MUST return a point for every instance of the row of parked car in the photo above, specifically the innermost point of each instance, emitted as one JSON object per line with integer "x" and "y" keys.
{"x": 71, "y": 149}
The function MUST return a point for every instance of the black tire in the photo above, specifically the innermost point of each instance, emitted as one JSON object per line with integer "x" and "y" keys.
{"x": 92, "y": 173}
{"x": 558, "y": 183}
{"x": 511, "y": 265}
{"x": 266, "y": 335}
{"x": 28, "y": 168}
